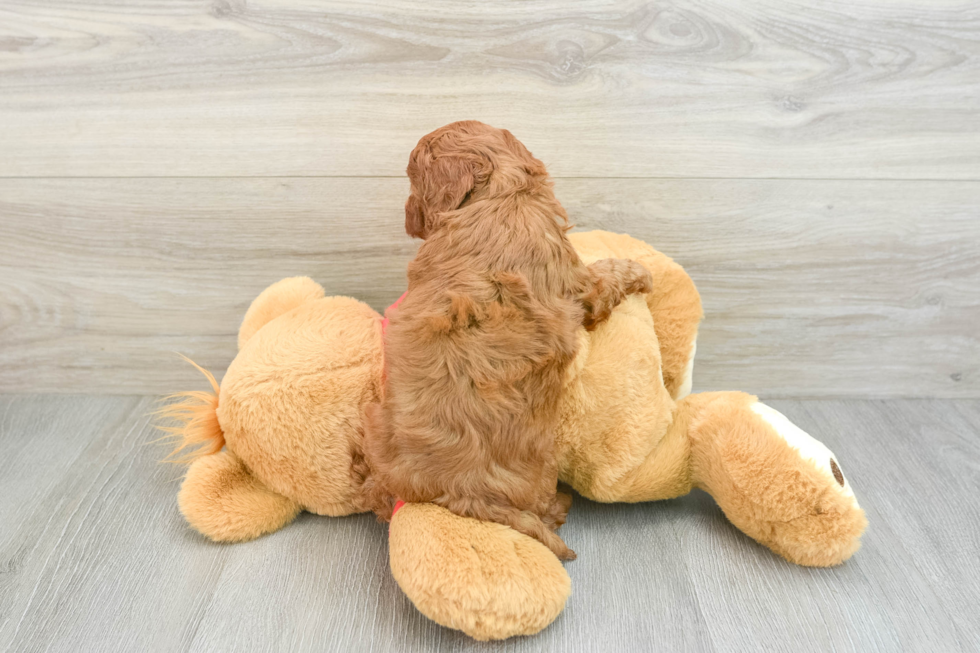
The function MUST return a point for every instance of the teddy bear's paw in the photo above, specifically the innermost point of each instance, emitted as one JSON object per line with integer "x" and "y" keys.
{"x": 808, "y": 447}
{"x": 482, "y": 578}
{"x": 223, "y": 501}
{"x": 819, "y": 522}
{"x": 775, "y": 482}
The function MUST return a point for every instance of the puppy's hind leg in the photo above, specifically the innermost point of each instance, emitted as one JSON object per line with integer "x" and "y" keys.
{"x": 557, "y": 512}
{"x": 610, "y": 281}
{"x": 525, "y": 521}
{"x": 522, "y": 521}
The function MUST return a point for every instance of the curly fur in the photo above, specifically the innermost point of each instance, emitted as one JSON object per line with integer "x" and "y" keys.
{"x": 477, "y": 352}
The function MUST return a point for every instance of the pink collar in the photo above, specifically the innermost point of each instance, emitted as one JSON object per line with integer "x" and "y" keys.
{"x": 384, "y": 325}
{"x": 384, "y": 321}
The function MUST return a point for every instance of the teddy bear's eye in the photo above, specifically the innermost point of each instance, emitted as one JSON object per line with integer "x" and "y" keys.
{"x": 836, "y": 472}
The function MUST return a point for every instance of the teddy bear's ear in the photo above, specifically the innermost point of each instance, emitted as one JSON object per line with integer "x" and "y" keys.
{"x": 281, "y": 297}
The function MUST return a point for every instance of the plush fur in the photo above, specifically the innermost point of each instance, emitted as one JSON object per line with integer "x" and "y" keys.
{"x": 289, "y": 409}
{"x": 480, "y": 577}
{"x": 248, "y": 508}
{"x": 291, "y": 405}
{"x": 800, "y": 511}
{"x": 476, "y": 353}
{"x": 674, "y": 304}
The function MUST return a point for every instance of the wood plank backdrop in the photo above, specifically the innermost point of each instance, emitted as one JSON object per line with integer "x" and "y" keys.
{"x": 600, "y": 88}
{"x": 815, "y": 166}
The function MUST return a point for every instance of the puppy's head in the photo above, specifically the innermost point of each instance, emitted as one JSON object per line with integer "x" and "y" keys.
{"x": 449, "y": 164}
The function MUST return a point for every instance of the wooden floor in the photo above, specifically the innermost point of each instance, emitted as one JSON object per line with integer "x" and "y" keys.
{"x": 94, "y": 555}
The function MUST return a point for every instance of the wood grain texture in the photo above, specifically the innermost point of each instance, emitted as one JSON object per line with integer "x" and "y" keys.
{"x": 95, "y": 556}
{"x": 92, "y": 558}
{"x": 810, "y": 288}
{"x": 719, "y": 88}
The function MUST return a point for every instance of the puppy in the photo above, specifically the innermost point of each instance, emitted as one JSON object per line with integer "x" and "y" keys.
{"x": 477, "y": 351}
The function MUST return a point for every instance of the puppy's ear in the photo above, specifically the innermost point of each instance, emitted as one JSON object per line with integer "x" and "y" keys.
{"x": 443, "y": 168}
{"x": 414, "y": 218}
{"x": 449, "y": 180}
{"x": 444, "y": 183}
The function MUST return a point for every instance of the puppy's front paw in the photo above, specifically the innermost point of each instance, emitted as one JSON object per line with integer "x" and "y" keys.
{"x": 612, "y": 280}
{"x": 558, "y": 510}
{"x": 637, "y": 279}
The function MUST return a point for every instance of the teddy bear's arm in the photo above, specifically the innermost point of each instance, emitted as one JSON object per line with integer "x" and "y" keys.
{"x": 775, "y": 482}
{"x": 676, "y": 309}
{"x": 674, "y": 301}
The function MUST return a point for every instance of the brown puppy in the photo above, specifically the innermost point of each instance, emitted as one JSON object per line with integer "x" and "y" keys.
{"x": 478, "y": 349}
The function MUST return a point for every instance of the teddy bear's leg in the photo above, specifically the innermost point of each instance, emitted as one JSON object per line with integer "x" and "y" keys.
{"x": 482, "y": 578}
{"x": 275, "y": 300}
{"x": 773, "y": 481}
{"x": 224, "y": 502}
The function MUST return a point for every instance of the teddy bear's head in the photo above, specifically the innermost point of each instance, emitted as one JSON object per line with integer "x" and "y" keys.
{"x": 291, "y": 402}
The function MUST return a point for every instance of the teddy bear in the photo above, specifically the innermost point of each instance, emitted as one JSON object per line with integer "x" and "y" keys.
{"x": 282, "y": 434}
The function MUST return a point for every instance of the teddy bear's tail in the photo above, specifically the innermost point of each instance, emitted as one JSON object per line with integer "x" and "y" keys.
{"x": 220, "y": 498}
{"x": 196, "y": 429}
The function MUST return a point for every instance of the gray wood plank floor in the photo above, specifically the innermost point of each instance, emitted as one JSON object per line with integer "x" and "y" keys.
{"x": 95, "y": 556}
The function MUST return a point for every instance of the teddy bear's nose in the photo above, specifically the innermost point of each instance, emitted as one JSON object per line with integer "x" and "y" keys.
{"x": 836, "y": 471}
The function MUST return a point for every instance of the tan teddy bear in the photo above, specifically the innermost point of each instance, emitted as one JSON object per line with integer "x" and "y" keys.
{"x": 282, "y": 432}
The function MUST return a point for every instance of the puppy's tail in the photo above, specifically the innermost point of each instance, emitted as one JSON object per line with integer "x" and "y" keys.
{"x": 196, "y": 430}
